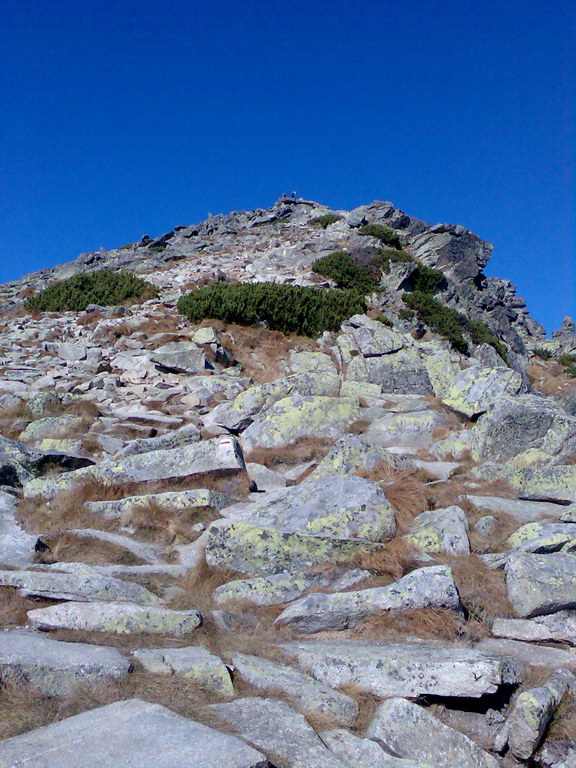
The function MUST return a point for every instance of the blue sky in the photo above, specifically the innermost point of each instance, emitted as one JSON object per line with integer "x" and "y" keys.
{"x": 125, "y": 117}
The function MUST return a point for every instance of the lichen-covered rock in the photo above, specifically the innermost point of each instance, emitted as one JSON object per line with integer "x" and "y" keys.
{"x": 353, "y": 454}
{"x": 398, "y": 372}
{"x": 180, "y": 357}
{"x": 296, "y": 417}
{"x": 410, "y": 731}
{"x": 568, "y": 514}
{"x": 342, "y": 506}
{"x": 285, "y": 587}
{"x": 16, "y": 546}
{"x": 522, "y": 426}
{"x": 543, "y": 537}
{"x": 406, "y": 430}
{"x": 548, "y": 483}
{"x": 126, "y": 733}
{"x": 423, "y": 588}
{"x": 476, "y": 389}
{"x": 252, "y": 549}
{"x": 83, "y": 585}
{"x": 194, "y": 663}
{"x": 540, "y": 584}
{"x": 372, "y": 337}
{"x": 532, "y": 711}
{"x": 304, "y": 693}
{"x": 441, "y": 531}
{"x": 173, "y": 439}
{"x": 175, "y": 501}
{"x": 116, "y": 618}
{"x": 278, "y": 731}
{"x": 454, "y": 446}
{"x": 413, "y": 669}
{"x": 559, "y": 627}
{"x": 51, "y": 427}
{"x": 56, "y": 667}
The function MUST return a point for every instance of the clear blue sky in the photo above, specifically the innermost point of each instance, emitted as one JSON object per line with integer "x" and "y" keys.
{"x": 125, "y": 117}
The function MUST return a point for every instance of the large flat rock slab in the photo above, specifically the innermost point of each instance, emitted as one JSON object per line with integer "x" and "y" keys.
{"x": 559, "y": 627}
{"x": 413, "y": 669}
{"x": 303, "y": 692}
{"x": 540, "y": 483}
{"x": 128, "y": 734}
{"x": 520, "y": 509}
{"x": 175, "y": 501}
{"x": 475, "y": 389}
{"x": 16, "y": 546}
{"x": 194, "y": 663}
{"x": 343, "y": 506}
{"x": 117, "y": 618}
{"x": 410, "y": 731}
{"x": 81, "y": 585}
{"x": 254, "y": 550}
{"x": 530, "y": 653}
{"x": 56, "y": 667}
{"x": 432, "y": 587}
{"x": 278, "y": 731}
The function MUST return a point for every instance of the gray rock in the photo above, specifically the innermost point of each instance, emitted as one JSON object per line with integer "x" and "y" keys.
{"x": 174, "y": 501}
{"x": 174, "y": 439}
{"x": 296, "y": 417}
{"x": 16, "y": 546}
{"x": 453, "y": 249}
{"x": 556, "y": 753}
{"x": 402, "y": 372}
{"x": 544, "y": 537}
{"x": 256, "y": 550}
{"x": 116, "y": 618}
{"x": 522, "y": 510}
{"x": 265, "y": 479}
{"x": 353, "y": 454}
{"x": 410, "y": 731}
{"x": 532, "y": 711}
{"x": 279, "y": 731}
{"x": 56, "y": 667}
{"x": 180, "y": 357}
{"x": 51, "y": 427}
{"x": 304, "y": 693}
{"x": 149, "y": 553}
{"x": 529, "y": 653}
{"x": 125, "y": 734}
{"x": 423, "y": 588}
{"x": 83, "y": 585}
{"x": 414, "y": 669}
{"x": 559, "y": 627}
{"x": 339, "y": 506}
{"x": 285, "y": 587}
{"x": 526, "y": 424}
{"x": 537, "y": 483}
{"x": 540, "y": 584}
{"x": 476, "y": 389}
{"x": 568, "y": 514}
{"x": 362, "y": 753}
{"x": 441, "y": 531}
{"x": 194, "y": 663}
{"x": 406, "y": 430}
{"x": 71, "y": 352}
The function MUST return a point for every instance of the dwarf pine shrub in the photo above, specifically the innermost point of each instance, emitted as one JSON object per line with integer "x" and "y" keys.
{"x": 451, "y": 324}
{"x": 347, "y": 273}
{"x": 427, "y": 280}
{"x": 383, "y": 233}
{"x": 287, "y": 308}
{"x": 106, "y": 287}
{"x": 325, "y": 220}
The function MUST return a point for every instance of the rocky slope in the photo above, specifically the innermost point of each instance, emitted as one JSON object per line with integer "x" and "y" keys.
{"x": 225, "y": 547}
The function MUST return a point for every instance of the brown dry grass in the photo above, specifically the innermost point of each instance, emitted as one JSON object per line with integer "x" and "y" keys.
{"x": 482, "y": 591}
{"x": 302, "y": 451}
{"x": 550, "y": 379}
{"x": 426, "y": 623}
{"x": 14, "y": 607}
{"x": 389, "y": 564}
{"x": 408, "y": 496}
{"x": 167, "y": 527}
{"x": 67, "y": 548}
{"x": 563, "y": 725}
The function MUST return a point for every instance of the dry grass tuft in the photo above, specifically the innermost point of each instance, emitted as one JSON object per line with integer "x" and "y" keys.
{"x": 482, "y": 591}
{"x": 408, "y": 496}
{"x": 426, "y": 623}
{"x": 389, "y": 564}
{"x": 67, "y": 548}
{"x": 14, "y": 420}
{"x": 14, "y": 607}
{"x": 167, "y": 527}
{"x": 563, "y": 726}
{"x": 302, "y": 451}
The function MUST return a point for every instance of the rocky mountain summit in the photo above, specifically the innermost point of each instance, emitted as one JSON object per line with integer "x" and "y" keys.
{"x": 230, "y": 541}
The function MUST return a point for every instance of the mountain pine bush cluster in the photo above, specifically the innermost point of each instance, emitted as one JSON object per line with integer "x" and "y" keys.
{"x": 282, "y": 307}
{"x": 105, "y": 287}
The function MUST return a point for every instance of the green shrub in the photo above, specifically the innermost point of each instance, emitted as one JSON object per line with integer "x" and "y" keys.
{"x": 347, "y": 273}
{"x": 405, "y": 314}
{"x": 392, "y": 256}
{"x": 383, "y": 233}
{"x": 158, "y": 248}
{"x": 543, "y": 354}
{"x": 104, "y": 286}
{"x": 569, "y": 364}
{"x": 126, "y": 247}
{"x": 385, "y": 321}
{"x": 286, "y": 308}
{"x": 427, "y": 280}
{"x": 325, "y": 220}
{"x": 451, "y": 324}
